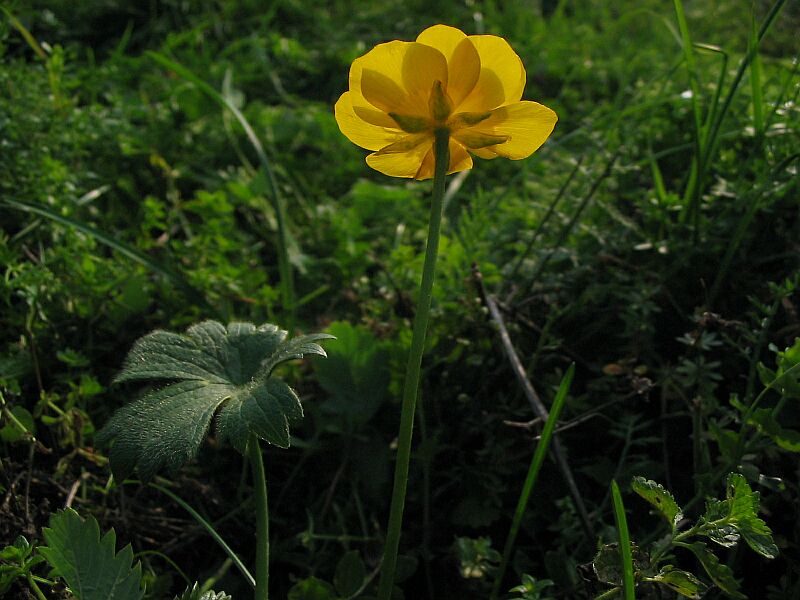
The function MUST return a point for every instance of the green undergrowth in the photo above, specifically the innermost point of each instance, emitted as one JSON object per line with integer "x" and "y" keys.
{"x": 652, "y": 242}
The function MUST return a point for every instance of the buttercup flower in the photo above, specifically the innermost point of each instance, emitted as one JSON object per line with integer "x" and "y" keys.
{"x": 402, "y": 92}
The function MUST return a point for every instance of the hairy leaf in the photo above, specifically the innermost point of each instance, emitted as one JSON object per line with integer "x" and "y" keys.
{"x": 656, "y": 495}
{"x": 209, "y": 371}
{"x": 89, "y": 563}
{"x": 195, "y": 592}
{"x": 682, "y": 582}
{"x": 720, "y": 574}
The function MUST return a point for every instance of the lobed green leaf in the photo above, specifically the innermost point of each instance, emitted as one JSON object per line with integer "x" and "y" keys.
{"x": 195, "y": 592}
{"x": 210, "y": 371}
{"x": 681, "y": 582}
{"x": 659, "y": 497}
{"x": 720, "y": 574}
{"x": 89, "y": 563}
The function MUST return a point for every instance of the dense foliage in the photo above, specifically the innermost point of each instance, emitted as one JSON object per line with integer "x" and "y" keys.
{"x": 652, "y": 241}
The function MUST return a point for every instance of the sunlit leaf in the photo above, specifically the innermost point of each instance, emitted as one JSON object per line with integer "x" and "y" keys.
{"x": 659, "y": 497}
{"x": 682, "y": 582}
{"x": 719, "y": 573}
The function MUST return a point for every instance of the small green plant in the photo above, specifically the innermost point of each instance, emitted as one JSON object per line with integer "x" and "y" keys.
{"x": 17, "y": 562}
{"x": 217, "y": 373}
{"x": 532, "y": 589}
{"x": 725, "y": 522}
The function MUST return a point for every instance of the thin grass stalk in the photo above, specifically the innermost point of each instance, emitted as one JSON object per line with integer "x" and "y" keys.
{"x": 209, "y": 528}
{"x": 411, "y": 383}
{"x": 628, "y": 585}
{"x": 546, "y": 219}
{"x": 755, "y": 81}
{"x": 262, "y": 519}
{"x": 694, "y": 86}
{"x": 567, "y": 229}
{"x": 533, "y": 473}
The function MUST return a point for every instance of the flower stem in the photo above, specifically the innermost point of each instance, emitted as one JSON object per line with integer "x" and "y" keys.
{"x": 411, "y": 384}
{"x": 262, "y": 519}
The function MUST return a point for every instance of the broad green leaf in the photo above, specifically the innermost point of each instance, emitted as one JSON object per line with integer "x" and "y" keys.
{"x": 195, "y": 592}
{"x": 607, "y": 564}
{"x": 744, "y": 512}
{"x": 758, "y": 536}
{"x": 788, "y": 439}
{"x": 312, "y": 588}
{"x": 682, "y": 582}
{"x": 356, "y": 375}
{"x": 350, "y": 574}
{"x": 89, "y": 563}
{"x": 723, "y": 533}
{"x": 737, "y": 516}
{"x": 656, "y": 495}
{"x": 719, "y": 573}
{"x": 209, "y": 371}
{"x": 20, "y": 425}
{"x": 743, "y": 500}
{"x": 789, "y": 382}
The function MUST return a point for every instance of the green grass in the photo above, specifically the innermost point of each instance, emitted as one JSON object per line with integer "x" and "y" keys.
{"x": 164, "y": 164}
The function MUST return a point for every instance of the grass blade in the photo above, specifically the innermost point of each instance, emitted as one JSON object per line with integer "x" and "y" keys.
{"x": 533, "y": 474}
{"x": 628, "y": 586}
{"x": 211, "y": 531}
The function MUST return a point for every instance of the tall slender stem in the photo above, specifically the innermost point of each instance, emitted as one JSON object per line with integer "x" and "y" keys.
{"x": 411, "y": 384}
{"x": 262, "y": 519}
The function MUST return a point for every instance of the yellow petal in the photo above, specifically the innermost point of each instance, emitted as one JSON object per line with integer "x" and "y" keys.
{"x": 442, "y": 37}
{"x": 423, "y": 68}
{"x": 527, "y": 125}
{"x": 464, "y": 68}
{"x": 502, "y": 77}
{"x": 412, "y": 157}
{"x": 360, "y": 131}
{"x": 402, "y": 163}
{"x": 463, "y": 61}
{"x": 460, "y": 160}
{"x": 397, "y": 77}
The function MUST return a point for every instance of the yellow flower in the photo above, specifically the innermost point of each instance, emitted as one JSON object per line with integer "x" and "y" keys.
{"x": 402, "y": 92}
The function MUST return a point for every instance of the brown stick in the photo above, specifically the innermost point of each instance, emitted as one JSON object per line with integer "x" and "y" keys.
{"x": 536, "y": 403}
